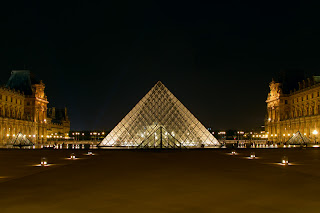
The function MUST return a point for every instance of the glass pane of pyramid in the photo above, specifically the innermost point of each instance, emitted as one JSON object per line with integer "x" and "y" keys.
{"x": 160, "y": 120}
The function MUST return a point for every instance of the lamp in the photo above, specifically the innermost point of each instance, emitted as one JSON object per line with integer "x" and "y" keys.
{"x": 252, "y": 155}
{"x": 285, "y": 160}
{"x": 72, "y": 156}
{"x": 44, "y": 161}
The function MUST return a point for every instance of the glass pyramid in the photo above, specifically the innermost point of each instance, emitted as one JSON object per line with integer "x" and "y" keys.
{"x": 159, "y": 120}
{"x": 21, "y": 140}
{"x": 298, "y": 138}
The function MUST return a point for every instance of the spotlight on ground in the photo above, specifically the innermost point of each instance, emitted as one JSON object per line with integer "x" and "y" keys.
{"x": 285, "y": 161}
{"x": 90, "y": 153}
{"x": 252, "y": 155}
{"x": 44, "y": 161}
{"x": 233, "y": 152}
{"x": 72, "y": 156}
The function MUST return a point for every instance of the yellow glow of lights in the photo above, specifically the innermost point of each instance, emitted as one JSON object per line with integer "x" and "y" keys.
{"x": 315, "y": 132}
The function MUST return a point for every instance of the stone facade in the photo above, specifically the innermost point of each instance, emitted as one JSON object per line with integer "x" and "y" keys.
{"x": 296, "y": 110}
{"x": 25, "y": 111}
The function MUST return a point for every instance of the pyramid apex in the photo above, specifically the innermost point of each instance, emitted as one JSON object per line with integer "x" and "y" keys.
{"x": 159, "y": 83}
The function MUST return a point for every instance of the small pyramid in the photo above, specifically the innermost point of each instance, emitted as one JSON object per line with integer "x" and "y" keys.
{"x": 159, "y": 120}
{"x": 298, "y": 138}
{"x": 21, "y": 140}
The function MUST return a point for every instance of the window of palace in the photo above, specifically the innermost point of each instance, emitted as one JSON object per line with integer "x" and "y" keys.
{"x": 285, "y": 102}
{"x": 317, "y": 94}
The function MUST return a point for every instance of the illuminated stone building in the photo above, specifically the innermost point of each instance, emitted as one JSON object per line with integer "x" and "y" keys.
{"x": 293, "y": 106}
{"x": 23, "y": 109}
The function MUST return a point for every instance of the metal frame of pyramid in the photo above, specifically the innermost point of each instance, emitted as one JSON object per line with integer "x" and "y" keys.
{"x": 298, "y": 138}
{"x": 159, "y": 120}
{"x": 21, "y": 140}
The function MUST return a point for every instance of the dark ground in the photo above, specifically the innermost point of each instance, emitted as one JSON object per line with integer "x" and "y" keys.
{"x": 160, "y": 181}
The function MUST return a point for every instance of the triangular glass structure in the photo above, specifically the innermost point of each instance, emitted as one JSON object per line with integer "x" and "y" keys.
{"x": 298, "y": 138}
{"x": 160, "y": 120}
{"x": 21, "y": 140}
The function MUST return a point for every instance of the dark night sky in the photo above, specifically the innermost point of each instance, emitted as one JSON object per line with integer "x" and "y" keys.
{"x": 99, "y": 58}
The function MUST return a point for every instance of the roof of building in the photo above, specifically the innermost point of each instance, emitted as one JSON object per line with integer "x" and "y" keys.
{"x": 57, "y": 115}
{"x": 294, "y": 80}
{"x": 22, "y": 80}
{"x": 289, "y": 80}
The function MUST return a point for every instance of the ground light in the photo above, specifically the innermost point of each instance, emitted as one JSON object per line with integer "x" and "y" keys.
{"x": 72, "y": 156}
{"x": 44, "y": 161}
{"x": 253, "y": 155}
{"x": 233, "y": 152}
{"x": 285, "y": 161}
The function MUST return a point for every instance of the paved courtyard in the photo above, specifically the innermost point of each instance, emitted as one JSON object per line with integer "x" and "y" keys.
{"x": 160, "y": 181}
